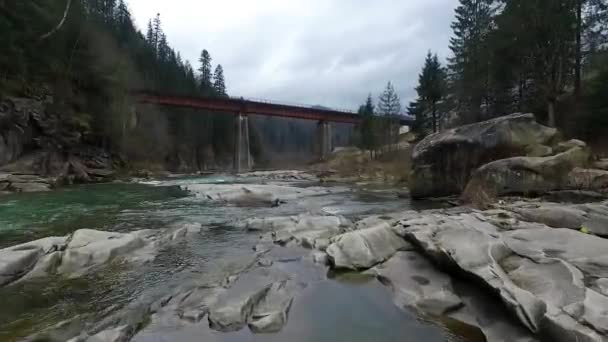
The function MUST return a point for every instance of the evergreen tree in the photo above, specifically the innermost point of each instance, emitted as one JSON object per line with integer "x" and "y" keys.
{"x": 389, "y": 103}
{"x": 219, "y": 85}
{"x": 389, "y": 106}
{"x": 470, "y": 63}
{"x": 205, "y": 72}
{"x": 367, "y": 131}
{"x": 431, "y": 90}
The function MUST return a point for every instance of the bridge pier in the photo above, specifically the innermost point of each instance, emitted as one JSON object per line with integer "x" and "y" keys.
{"x": 324, "y": 141}
{"x": 242, "y": 155}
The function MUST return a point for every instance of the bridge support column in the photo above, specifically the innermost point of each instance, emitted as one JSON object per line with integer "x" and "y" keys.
{"x": 323, "y": 137}
{"x": 242, "y": 155}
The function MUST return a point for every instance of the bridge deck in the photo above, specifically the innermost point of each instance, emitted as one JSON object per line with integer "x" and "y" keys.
{"x": 244, "y": 106}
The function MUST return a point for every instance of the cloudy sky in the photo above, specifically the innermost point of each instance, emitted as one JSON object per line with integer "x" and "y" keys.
{"x": 327, "y": 52}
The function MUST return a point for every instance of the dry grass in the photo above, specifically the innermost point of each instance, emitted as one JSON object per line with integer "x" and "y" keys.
{"x": 479, "y": 195}
{"x": 352, "y": 164}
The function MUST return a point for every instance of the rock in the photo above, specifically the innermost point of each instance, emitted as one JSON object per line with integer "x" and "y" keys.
{"x": 90, "y": 248}
{"x": 539, "y": 151}
{"x": 556, "y": 216}
{"x": 588, "y": 179}
{"x": 270, "y": 313}
{"x": 526, "y": 175}
{"x": 30, "y": 187}
{"x": 443, "y": 162}
{"x": 119, "y": 334}
{"x": 574, "y": 196}
{"x": 364, "y": 248}
{"x": 568, "y": 145}
{"x": 417, "y": 284}
{"x": 17, "y": 261}
{"x": 538, "y": 272}
{"x": 234, "y": 308}
{"x": 601, "y": 164}
{"x": 251, "y": 195}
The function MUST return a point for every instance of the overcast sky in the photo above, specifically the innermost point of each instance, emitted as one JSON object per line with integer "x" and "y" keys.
{"x": 326, "y": 52}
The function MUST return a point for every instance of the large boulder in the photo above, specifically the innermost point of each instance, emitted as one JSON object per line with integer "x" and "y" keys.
{"x": 528, "y": 175}
{"x": 443, "y": 162}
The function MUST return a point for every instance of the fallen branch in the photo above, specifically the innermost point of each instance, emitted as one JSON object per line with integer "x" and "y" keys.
{"x": 58, "y": 27}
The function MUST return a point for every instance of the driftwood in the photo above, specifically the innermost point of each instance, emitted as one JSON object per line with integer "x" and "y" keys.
{"x": 58, "y": 27}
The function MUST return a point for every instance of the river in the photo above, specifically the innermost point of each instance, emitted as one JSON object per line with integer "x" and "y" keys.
{"x": 345, "y": 307}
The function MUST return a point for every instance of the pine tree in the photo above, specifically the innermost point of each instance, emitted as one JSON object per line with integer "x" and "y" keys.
{"x": 389, "y": 106}
{"x": 431, "y": 90}
{"x": 204, "y": 70}
{"x": 469, "y": 65}
{"x": 366, "y": 128}
{"x": 219, "y": 85}
{"x": 389, "y": 103}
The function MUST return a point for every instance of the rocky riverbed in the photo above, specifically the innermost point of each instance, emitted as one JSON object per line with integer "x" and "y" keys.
{"x": 274, "y": 258}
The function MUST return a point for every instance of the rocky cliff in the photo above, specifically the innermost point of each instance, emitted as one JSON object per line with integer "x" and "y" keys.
{"x": 37, "y": 147}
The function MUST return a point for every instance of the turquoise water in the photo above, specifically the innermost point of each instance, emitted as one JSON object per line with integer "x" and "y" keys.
{"x": 333, "y": 310}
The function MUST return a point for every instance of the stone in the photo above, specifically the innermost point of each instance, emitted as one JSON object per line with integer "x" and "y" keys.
{"x": 556, "y": 216}
{"x": 526, "y": 175}
{"x": 443, "y": 162}
{"x": 251, "y": 195}
{"x": 538, "y": 272}
{"x": 119, "y": 334}
{"x": 270, "y": 313}
{"x": 17, "y": 261}
{"x": 588, "y": 179}
{"x": 568, "y": 145}
{"x": 364, "y": 248}
{"x": 417, "y": 284}
{"x": 539, "y": 151}
{"x": 601, "y": 164}
{"x": 90, "y": 248}
{"x": 574, "y": 196}
{"x": 30, "y": 187}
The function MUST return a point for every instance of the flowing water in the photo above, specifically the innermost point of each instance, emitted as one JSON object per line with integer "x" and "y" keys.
{"x": 341, "y": 308}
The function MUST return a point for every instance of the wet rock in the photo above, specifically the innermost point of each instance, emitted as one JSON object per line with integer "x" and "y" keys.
{"x": 443, "y": 162}
{"x": 17, "y": 261}
{"x": 417, "y": 284}
{"x": 251, "y": 195}
{"x": 270, "y": 313}
{"x": 119, "y": 334}
{"x": 364, "y": 248}
{"x": 90, "y": 248}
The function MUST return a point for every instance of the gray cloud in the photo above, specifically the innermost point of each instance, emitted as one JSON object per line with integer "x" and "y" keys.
{"x": 328, "y": 52}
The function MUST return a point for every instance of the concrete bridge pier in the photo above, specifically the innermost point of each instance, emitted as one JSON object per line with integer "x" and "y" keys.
{"x": 242, "y": 154}
{"x": 323, "y": 137}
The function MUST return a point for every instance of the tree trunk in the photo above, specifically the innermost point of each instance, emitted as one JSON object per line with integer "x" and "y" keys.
{"x": 551, "y": 113}
{"x": 578, "y": 57}
{"x": 434, "y": 118}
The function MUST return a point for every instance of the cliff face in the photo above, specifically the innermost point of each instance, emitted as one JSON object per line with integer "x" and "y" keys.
{"x": 34, "y": 142}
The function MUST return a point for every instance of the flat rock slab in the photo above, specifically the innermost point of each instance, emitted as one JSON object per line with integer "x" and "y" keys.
{"x": 364, "y": 248}
{"x": 538, "y": 272}
{"x": 416, "y": 283}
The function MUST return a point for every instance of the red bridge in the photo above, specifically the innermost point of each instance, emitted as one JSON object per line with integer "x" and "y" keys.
{"x": 259, "y": 107}
{"x": 241, "y": 108}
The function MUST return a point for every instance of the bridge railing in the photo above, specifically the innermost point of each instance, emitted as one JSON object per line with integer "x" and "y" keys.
{"x": 294, "y": 104}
